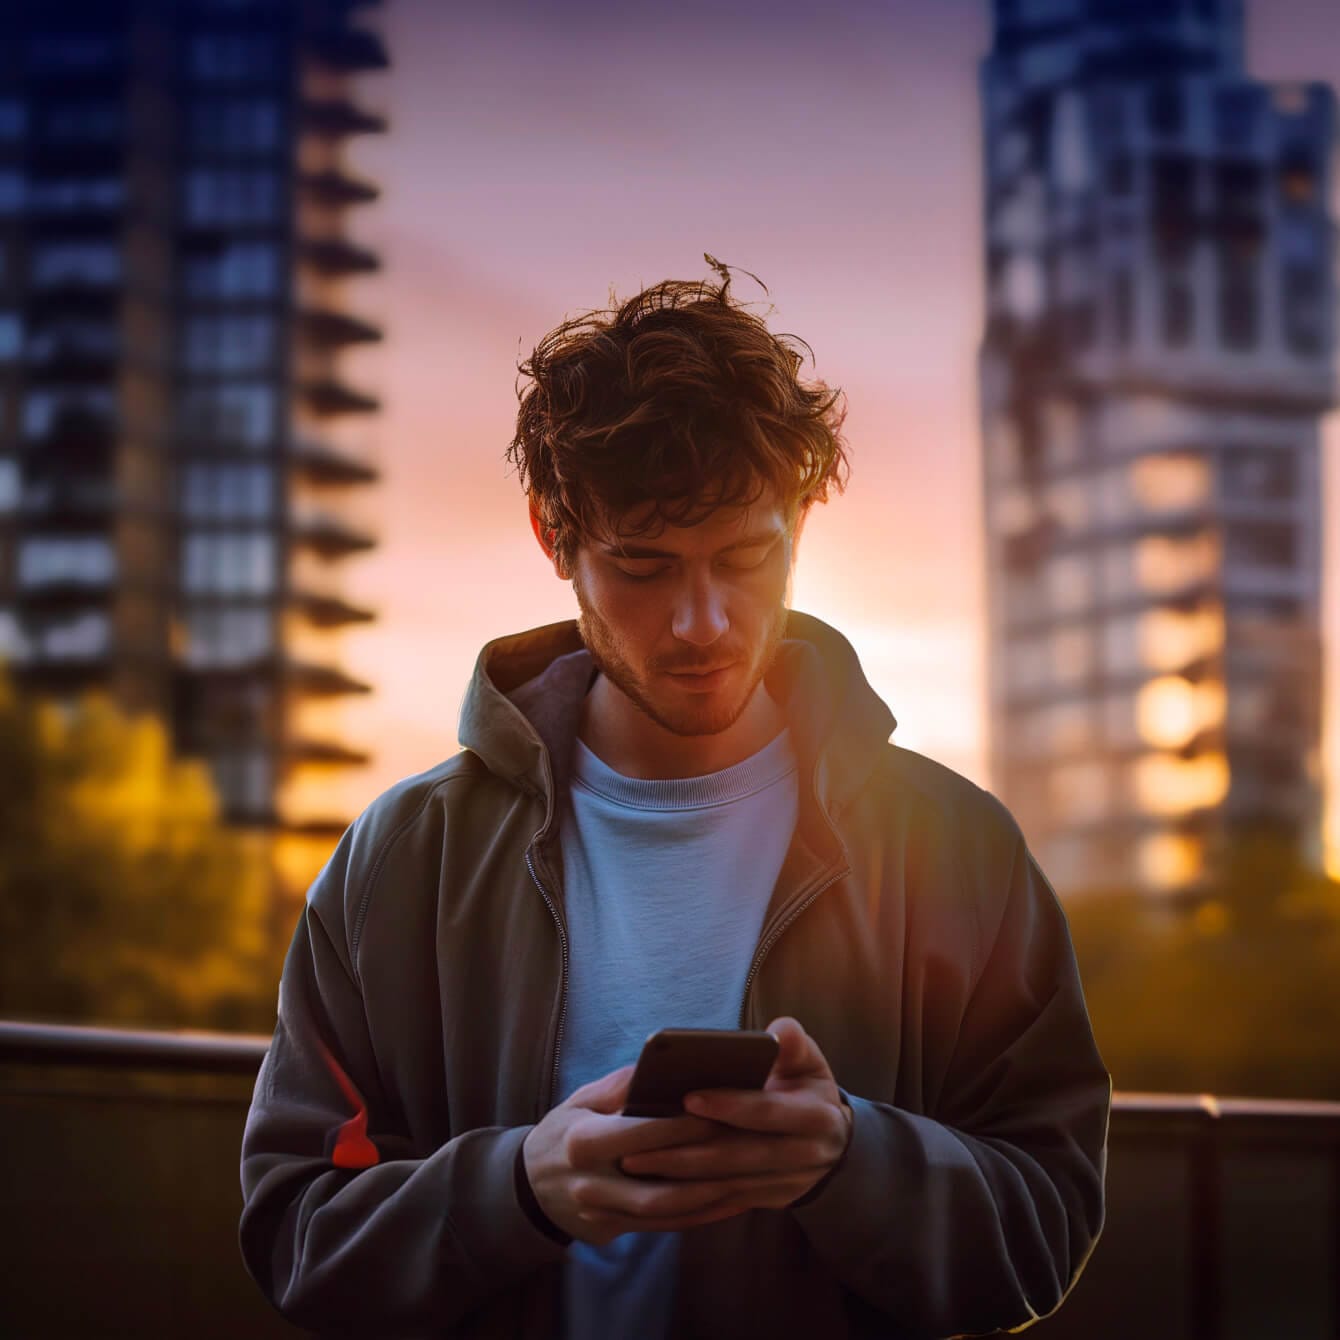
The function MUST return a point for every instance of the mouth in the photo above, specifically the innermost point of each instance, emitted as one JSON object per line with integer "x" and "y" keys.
{"x": 702, "y": 679}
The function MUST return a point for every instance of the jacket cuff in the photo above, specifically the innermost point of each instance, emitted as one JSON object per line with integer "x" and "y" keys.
{"x": 525, "y": 1194}
{"x": 818, "y": 1188}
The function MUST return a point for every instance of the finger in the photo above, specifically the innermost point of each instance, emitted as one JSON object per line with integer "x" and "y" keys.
{"x": 606, "y": 1094}
{"x": 794, "y": 1113}
{"x": 797, "y": 1052}
{"x": 606, "y": 1139}
{"x": 616, "y": 1194}
{"x": 724, "y": 1157}
{"x": 616, "y": 1224}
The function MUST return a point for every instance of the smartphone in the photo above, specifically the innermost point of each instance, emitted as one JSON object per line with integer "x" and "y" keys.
{"x": 677, "y": 1061}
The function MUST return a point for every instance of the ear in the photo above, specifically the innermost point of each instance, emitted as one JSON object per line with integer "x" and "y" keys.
{"x": 545, "y": 539}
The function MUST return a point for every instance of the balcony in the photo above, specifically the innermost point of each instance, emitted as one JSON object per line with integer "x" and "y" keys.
{"x": 327, "y": 329}
{"x": 322, "y": 681}
{"x": 329, "y": 536}
{"x": 325, "y": 611}
{"x": 337, "y": 188}
{"x": 336, "y": 256}
{"x": 326, "y": 753}
{"x": 337, "y": 117}
{"x": 328, "y": 396}
{"x": 350, "y": 50}
{"x": 319, "y": 464}
{"x": 1221, "y": 1218}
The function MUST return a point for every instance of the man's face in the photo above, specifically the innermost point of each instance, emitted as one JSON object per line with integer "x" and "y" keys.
{"x": 704, "y": 597}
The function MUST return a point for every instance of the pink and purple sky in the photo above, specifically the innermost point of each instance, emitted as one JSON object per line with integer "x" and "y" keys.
{"x": 541, "y": 154}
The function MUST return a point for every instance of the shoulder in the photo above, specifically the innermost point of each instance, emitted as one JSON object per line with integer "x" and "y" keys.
{"x": 944, "y": 801}
{"x": 406, "y": 821}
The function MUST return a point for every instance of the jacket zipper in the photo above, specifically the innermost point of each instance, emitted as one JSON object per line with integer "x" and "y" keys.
{"x": 762, "y": 952}
{"x": 563, "y": 978}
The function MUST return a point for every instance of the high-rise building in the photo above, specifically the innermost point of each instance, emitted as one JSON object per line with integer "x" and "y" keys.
{"x": 179, "y": 451}
{"x": 1158, "y": 353}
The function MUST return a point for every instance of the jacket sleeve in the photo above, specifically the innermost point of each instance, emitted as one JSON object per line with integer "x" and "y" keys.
{"x": 982, "y": 1216}
{"x": 344, "y": 1226}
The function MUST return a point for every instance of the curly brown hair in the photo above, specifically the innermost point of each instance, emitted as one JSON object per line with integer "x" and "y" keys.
{"x": 677, "y": 397}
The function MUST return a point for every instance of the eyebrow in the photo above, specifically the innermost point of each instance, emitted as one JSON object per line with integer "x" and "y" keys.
{"x": 645, "y": 551}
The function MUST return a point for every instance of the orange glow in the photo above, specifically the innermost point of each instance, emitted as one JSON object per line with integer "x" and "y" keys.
{"x": 1169, "y": 710}
{"x": 1170, "y": 639}
{"x": 1168, "y": 785}
{"x": 1166, "y": 483}
{"x": 1164, "y": 564}
{"x": 1167, "y": 860}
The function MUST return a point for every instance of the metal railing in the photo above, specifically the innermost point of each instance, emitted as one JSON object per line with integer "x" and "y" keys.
{"x": 1223, "y": 1215}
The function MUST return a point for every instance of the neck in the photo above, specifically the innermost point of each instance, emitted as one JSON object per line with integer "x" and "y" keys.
{"x": 618, "y": 732}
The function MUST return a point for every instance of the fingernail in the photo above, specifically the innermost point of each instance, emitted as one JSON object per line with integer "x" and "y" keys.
{"x": 697, "y": 1103}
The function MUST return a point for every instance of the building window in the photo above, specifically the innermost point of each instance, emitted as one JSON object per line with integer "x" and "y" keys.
{"x": 1298, "y": 177}
{"x": 1178, "y": 312}
{"x": 228, "y": 637}
{"x": 232, "y": 57}
{"x": 228, "y": 492}
{"x": 13, "y": 191}
{"x": 1236, "y": 111}
{"x": 53, "y": 409}
{"x": 236, "y": 125}
{"x": 13, "y": 119}
{"x": 229, "y": 343}
{"x": 1238, "y": 189}
{"x": 73, "y": 195}
{"x": 82, "y": 121}
{"x": 73, "y": 337}
{"x": 244, "y": 780}
{"x": 11, "y": 335}
{"x": 229, "y": 415}
{"x": 1169, "y": 482}
{"x": 1165, "y": 109}
{"x": 1264, "y": 474}
{"x": 1123, "y": 308}
{"x": 1303, "y": 292}
{"x": 1239, "y": 298}
{"x": 78, "y": 637}
{"x": 231, "y": 197}
{"x": 1262, "y": 544}
{"x": 1120, "y": 176}
{"x": 229, "y": 564}
{"x": 237, "y": 270}
{"x": 72, "y": 52}
{"x": 60, "y": 560}
{"x": 83, "y": 263}
{"x": 11, "y": 484}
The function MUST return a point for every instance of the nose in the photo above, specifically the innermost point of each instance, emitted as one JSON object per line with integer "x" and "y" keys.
{"x": 699, "y": 614}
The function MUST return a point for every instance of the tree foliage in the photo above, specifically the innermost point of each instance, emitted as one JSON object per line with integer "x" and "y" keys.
{"x": 1234, "y": 995}
{"x": 123, "y": 899}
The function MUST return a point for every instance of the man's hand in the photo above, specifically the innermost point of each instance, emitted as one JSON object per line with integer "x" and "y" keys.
{"x": 572, "y": 1159}
{"x": 780, "y": 1141}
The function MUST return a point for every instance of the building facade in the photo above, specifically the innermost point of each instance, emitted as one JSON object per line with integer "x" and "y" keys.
{"x": 181, "y": 458}
{"x": 1158, "y": 353}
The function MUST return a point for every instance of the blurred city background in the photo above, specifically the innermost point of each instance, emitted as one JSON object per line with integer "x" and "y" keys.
{"x": 267, "y": 268}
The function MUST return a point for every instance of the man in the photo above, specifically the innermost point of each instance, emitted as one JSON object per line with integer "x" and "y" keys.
{"x": 682, "y": 809}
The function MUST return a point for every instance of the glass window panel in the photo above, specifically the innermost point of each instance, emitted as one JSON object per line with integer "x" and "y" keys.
{"x": 67, "y": 407}
{"x": 11, "y": 483}
{"x": 13, "y": 191}
{"x": 236, "y": 197}
{"x": 91, "y": 121}
{"x": 242, "y": 415}
{"x": 1262, "y": 544}
{"x": 238, "y": 564}
{"x": 76, "y": 263}
{"x": 11, "y": 335}
{"x": 1170, "y": 482}
{"x": 78, "y": 637}
{"x": 238, "y": 270}
{"x": 1069, "y": 583}
{"x": 1164, "y": 563}
{"x": 1071, "y": 655}
{"x": 1079, "y": 792}
{"x": 229, "y": 343}
{"x": 229, "y": 57}
{"x": 13, "y": 119}
{"x": 59, "y": 559}
{"x": 1251, "y": 474}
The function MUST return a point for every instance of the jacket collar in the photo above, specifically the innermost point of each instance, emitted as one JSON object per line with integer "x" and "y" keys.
{"x": 523, "y": 704}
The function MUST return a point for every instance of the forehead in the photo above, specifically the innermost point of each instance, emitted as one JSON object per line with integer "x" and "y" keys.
{"x": 641, "y": 525}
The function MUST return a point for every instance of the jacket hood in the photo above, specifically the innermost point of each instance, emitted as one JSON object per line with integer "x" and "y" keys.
{"x": 523, "y": 704}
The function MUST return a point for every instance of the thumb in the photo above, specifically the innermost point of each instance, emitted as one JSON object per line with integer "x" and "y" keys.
{"x": 796, "y": 1052}
{"x": 606, "y": 1094}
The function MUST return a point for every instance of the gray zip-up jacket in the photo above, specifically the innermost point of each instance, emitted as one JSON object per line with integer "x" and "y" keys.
{"x": 910, "y": 932}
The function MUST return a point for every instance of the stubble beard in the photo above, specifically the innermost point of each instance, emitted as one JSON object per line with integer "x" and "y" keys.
{"x": 679, "y": 718}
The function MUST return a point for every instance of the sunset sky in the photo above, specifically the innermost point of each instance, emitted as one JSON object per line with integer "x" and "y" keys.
{"x": 541, "y": 153}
